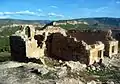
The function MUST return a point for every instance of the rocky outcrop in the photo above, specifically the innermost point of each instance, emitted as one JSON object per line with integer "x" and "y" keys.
{"x": 32, "y": 73}
{"x": 67, "y": 73}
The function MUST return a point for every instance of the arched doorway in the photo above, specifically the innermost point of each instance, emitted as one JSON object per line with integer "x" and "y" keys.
{"x": 27, "y": 31}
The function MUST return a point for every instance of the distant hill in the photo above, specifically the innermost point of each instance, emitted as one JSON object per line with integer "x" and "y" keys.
{"x": 18, "y": 21}
{"x": 103, "y": 22}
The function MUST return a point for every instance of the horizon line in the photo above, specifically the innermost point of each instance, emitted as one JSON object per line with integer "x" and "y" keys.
{"x": 57, "y": 19}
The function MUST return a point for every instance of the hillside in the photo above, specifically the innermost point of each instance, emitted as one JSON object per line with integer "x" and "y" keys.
{"x": 18, "y": 21}
{"x": 103, "y": 22}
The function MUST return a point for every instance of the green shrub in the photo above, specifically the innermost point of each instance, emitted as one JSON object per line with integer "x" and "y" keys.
{"x": 4, "y": 39}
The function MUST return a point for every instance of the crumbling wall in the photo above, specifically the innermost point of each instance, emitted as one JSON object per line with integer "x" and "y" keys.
{"x": 50, "y": 30}
{"x": 24, "y": 46}
{"x": 111, "y": 48}
{"x": 18, "y": 48}
{"x": 64, "y": 48}
{"x": 111, "y": 45}
{"x": 90, "y": 37}
{"x": 33, "y": 42}
{"x": 116, "y": 34}
{"x": 54, "y": 42}
{"x": 96, "y": 53}
{"x": 18, "y": 45}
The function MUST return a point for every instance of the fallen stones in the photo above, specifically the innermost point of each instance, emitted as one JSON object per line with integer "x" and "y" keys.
{"x": 76, "y": 66}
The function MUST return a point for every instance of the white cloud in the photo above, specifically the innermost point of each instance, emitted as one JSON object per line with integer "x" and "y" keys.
{"x": 1, "y": 13}
{"x": 40, "y": 10}
{"x": 40, "y": 15}
{"x": 26, "y": 12}
{"x": 101, "y": 9}
{"x": 4, "y": 16}
{"x": 55, "y": 15}
{"x": 60, "y": 16}
{"x": 53, "y": 6}
{"x": 18, "y": 12}
{"x": 51, "y": 14}
{"x": 6, "y": 13}
{"x": 30, "y": 13}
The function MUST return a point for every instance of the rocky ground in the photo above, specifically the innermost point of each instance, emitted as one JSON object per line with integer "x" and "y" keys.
{"x": 12, "y": 72}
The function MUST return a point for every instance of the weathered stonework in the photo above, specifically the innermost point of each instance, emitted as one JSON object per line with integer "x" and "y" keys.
{"x": 60, "y": 47}
{"x": 111, "y": 48}
{"x": 96, "y": 52}
{"x": 60, "y": 44}
{"x": 90, "y": 37}
{"x": 18, "y": 49}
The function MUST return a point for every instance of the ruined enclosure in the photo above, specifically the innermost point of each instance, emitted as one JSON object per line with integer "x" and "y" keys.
{"x": 87, "y": 47}
{"x": 90, "y": 37}
{"x": 64, "y": 48}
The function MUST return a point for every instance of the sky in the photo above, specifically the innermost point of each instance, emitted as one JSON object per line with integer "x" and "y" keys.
{"x": 58, "y": 9}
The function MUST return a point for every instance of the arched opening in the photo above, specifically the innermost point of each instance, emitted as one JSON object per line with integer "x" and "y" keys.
{"x": 27, "y": 31}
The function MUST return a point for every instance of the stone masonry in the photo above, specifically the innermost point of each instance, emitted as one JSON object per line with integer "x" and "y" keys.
{"x": 57, "y": 43}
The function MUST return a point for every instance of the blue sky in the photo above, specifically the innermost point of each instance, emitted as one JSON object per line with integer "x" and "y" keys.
{"x": 58, "y": 9}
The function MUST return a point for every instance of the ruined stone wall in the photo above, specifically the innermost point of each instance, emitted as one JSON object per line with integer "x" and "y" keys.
{"x": 54, "y": 42}
{"x": 32, "y": 51}
{"x": 24, "y": 46}
{"x": 64, "y": 48}
{"x": 18, "y": 48}
{"x": 50, "y": 30}
{"x": 90, "y": 37}
{"x": 111, "y": 48}
{"x": 96, "y": 53}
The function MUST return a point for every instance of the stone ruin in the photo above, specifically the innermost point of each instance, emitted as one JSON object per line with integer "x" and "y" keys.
{"x": 57, "y": 43}
{"x": 91, "y": 37}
